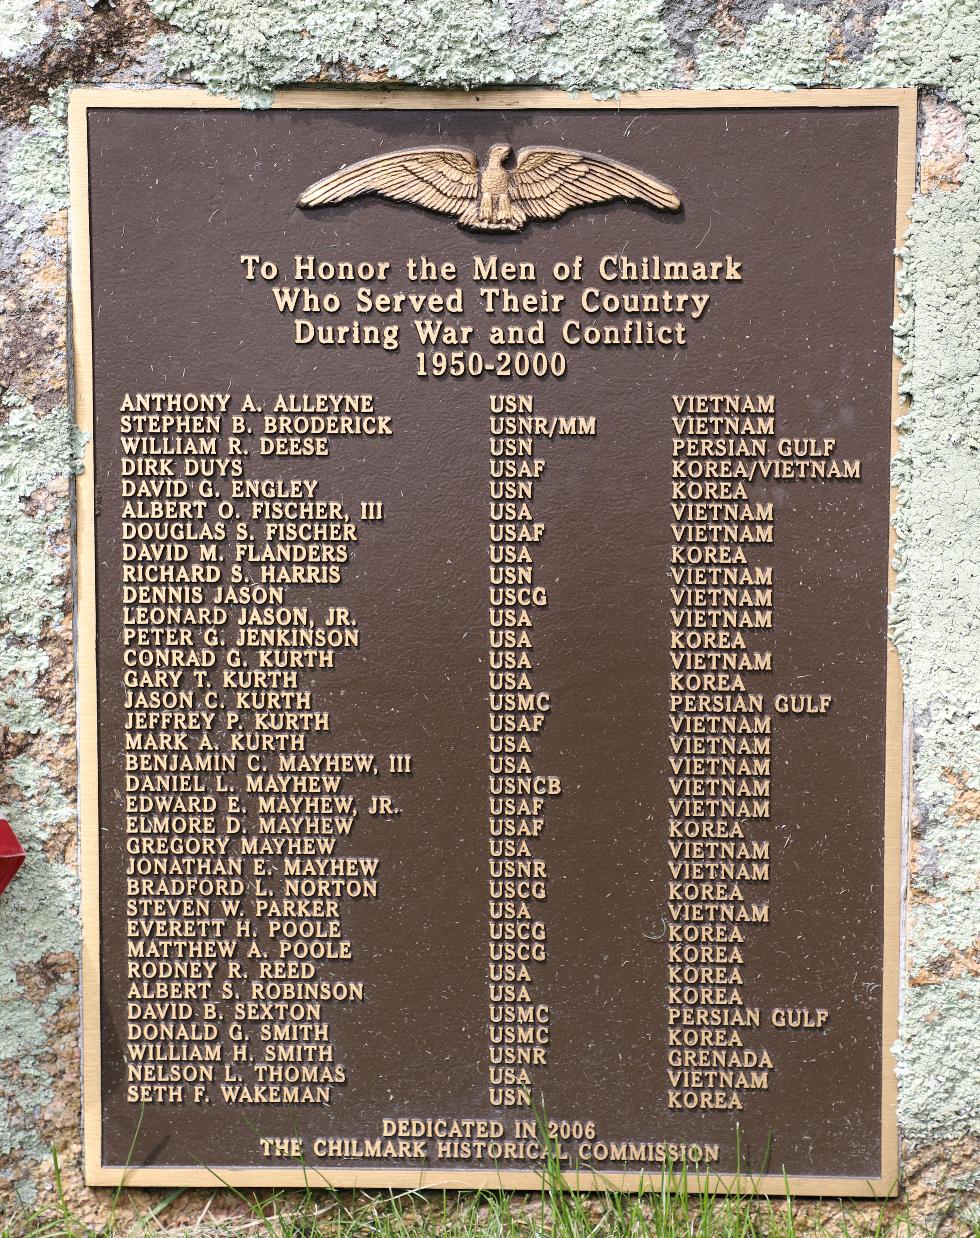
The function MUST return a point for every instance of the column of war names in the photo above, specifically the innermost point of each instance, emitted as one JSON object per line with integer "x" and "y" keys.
{"x": 491, "y": 654}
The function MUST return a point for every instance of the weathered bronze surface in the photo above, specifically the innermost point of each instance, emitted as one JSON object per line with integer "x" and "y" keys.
{"x": 488, "y": 716}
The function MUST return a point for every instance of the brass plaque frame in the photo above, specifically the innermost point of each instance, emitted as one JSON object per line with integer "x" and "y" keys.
{"x": 96, "y": 1173}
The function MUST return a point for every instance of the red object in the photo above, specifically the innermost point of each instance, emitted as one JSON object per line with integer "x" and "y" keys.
{"x": 11, "y": 854}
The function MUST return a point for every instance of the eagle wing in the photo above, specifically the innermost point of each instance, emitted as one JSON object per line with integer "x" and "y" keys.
{"x": 440, "y": 178}
{"x": 548, "y": 181}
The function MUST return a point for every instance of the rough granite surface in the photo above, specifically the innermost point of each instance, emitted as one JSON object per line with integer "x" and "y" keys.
{"x": 246, "y": 48}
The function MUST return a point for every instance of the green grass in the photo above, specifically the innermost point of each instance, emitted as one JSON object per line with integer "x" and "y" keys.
{"x": 496, "y": 1214}
{"x": 557, "y": 1212}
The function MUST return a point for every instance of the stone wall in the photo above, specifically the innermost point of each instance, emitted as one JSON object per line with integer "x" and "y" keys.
{"x": 247, "y": 48}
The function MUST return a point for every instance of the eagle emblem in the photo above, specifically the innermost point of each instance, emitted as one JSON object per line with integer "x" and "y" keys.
{"x": 545, "y": 182}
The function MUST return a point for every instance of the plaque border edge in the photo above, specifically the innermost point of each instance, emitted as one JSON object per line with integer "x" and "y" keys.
{"x": 897, "y": 742}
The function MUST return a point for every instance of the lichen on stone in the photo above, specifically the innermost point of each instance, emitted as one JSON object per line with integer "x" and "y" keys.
{"x": 21, "y": 27}
{"x": 937, "y": 600}
{"x": 34, "y": 451}
{"x": 607, "y": 47}
{"x": 37, "y": 171}
{"x": 235, "y": 47}
{"x": 38, "y": 918}
{"x": 784, "y": 50}
{"x": 435, "y": 43}
{"x": 604, "y": 46}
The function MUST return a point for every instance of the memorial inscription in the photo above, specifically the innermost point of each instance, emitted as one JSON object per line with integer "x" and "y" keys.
{"x": 489, "y": 733}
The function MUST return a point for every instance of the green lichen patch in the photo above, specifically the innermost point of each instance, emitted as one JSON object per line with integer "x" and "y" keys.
{"x": 607, "y": 47}
{"x": 238, "y": 48}
{"x": 34, "y": 451}
{"x": 247, "y": 50}
{"x": 937, "y": 43}
{"x": 436, "y": 42}
{"x": 38, "y": 918}
{"x": 784, "y": 50}
{"x": 21, "y": 27}
{"x": 37, "y": 171}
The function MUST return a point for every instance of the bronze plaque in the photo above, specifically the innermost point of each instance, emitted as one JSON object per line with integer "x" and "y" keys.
{"x": 490, "y": 739}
